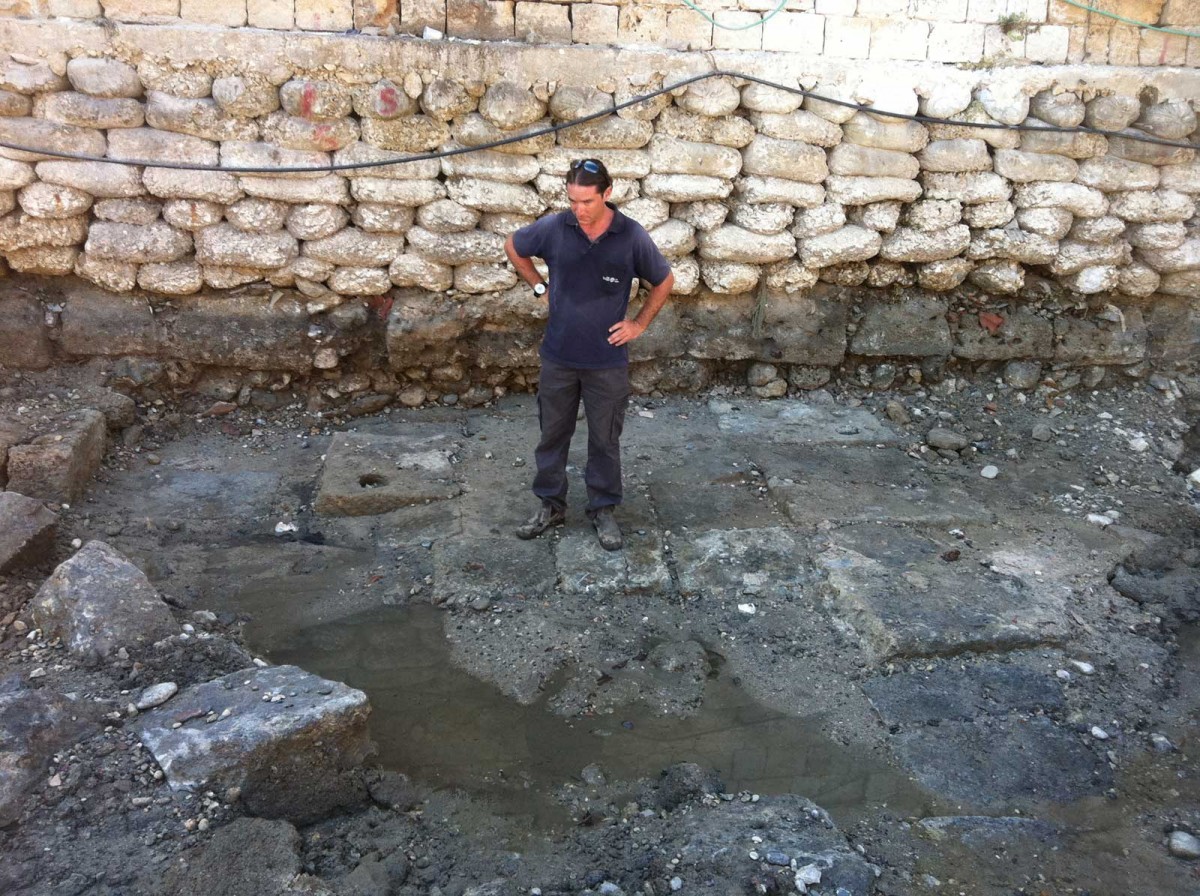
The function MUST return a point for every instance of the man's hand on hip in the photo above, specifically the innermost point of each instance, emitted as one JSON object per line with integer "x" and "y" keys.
{"x": 624, "y": 331}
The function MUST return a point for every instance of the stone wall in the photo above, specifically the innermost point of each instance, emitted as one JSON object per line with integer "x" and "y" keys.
{"x": 801, "y": 232}
{"x": 962, "y": 31}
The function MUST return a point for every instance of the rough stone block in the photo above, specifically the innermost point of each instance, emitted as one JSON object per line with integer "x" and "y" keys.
{"x": 149, "y": 145}
{"x": 100, "y": 179}
{"x": 852, "y": 160}
{"x": 24, "y": 343}
{"x": 21, "y": 231}
{"x": 206, "y": 186}
{"x": 27, "y": 530}
{"x": 115, "y": 276}
{"x": 41, "y": 134}
{"x": 108, "y": 78}
{"x": 669, "y": 155}
{"x": 1153, "y": 206}
{"x": 911, "y": 245}
{"x": 608, "y": 133}
{"x": 225, "y": 245}
{"x": 787, "y": 159}
{"x": 916, "y": 327}
{"x": 157, "y": 242}
{"x": 480, "y": 19}
{"x": 1082, "y": 341}
{"x": 15, "y": 105}
{"x": 730, "y": 130}
{"x": 44, "y": 262}
{"x": 411, "y": 193}
{"x": 592, "y": 23}
{"x": 540, "y": 23}
{"x": 847, "y": 37}
{"x": 231, "y": 13}
{"x": 732, "y": 243}
{"x": 240, "y": 331}
{"x": 180, "y": 278}
{"x": 294, "y": 756}
{"x": 866, "y": 190}
{"x": 970, "y": 189}
{"x": 14, "y": 175}
{"x": 1048, "y": 44}
{"x": 1149, "y": 153}
{"x": 685, "y": 31}
{"x": 900, "y": 136}
{"x": 20, "y": 77}
{"x": 57, "y": 467}
{"x": 324, "y": 15}
{"x": 900, "y": 38}
{"x": 1024, "y": 167}
{"x": 350, "y": 247}
{"x": 1021, "y": 334}
{"x": 1012, "y": 244}
{"x": 85, "y": 111}
{"x": 850, "y": 243}
{"x": 43, "y": 200}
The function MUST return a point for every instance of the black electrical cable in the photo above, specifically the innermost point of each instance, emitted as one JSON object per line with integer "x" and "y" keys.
{"x": 584, "y": 119}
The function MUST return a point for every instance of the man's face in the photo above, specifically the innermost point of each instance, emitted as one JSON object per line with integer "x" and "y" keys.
{"x": 587, "y": 203}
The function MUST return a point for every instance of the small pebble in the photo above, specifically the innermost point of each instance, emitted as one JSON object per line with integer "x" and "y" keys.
{"x": 156, "y": 695}
{"x": 1083, "y": 668}
{"x": 676, "y": 884}
{"x": 1161, "y": 743}
{"x": 989, "y": 472}
{"x": 1063, "y": 675}
{"x": 1099, "y": 733}
{"x": 1183, "y": 845}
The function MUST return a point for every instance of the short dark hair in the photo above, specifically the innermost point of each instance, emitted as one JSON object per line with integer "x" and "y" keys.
{"x": 589, "y": 173}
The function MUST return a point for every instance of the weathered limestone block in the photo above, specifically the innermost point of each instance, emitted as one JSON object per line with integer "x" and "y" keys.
{"x": 685, "y": 187}
{"x": 985, "y": 129}
{"x": 14, "y": 105}
{"x": 864, "y": 190}
{"x": 174, "y": 183}
{"x": 396, "y": 192}
{"x": 44, "y": 200}
{"x": 854, "y": 273}
{"x": 945, "y": 100}
{"x": 849, "y": 243}
{"x": 229, "y": 277}
{"x": 765, "y": 218}
{"x": 1079, "y": 200}
{"x": 360, "y": 281}
{"x": 915, "y": 327}
{"x": 24, "y": 342}
{"x": 1025, "y": 167}
{"x": 901, "y": 136}
{"x": 490, "y": 196}
{"x": 1005, "y": 102}
{"x": 510, "y": 106}
{"x": 729, "y": 277}
{"x": 27, "y": 533}
{"x": 818, "y": 220}
{"x": 1063, "y": 110}
{"x": 1181, "y": 283}
{"x": 1173, "y": 119}
{"x": 649, "y": 212}
{"x": 1156, "y": 236}
{"x": 1181, "y": 178}
{"x": 796, "y": 328}
{"x": 1052, "y": 223}
{"x": 1138, "y": 280}
{"x": 85, "y": 111}
{"x": 95, "y": 322}
{"x": 1021, "y": 334}
{"x": 107, "y": 78}
{"x": 1083, "y": 341}
{"x": 57, "y": 467}
{"x": 475, "y": 130}
{"x": 302, "y": 268}
{"x": 150, "y": 145}
{"x": 179, "y": 278}
{"x": 141, "y": 210}
{"x": 41, "y": 134}
{"x": 933, "y": 214}
{"x": 245, "y": 97}
{"x": 315, "y": 100}
{"x": 1097, "y": 230}
{"x": 881, "y": 216}
{"x": 383, "y": 163}
{"x": 838, "y": 114}
{"x": 714, "y": 97}
{"x": 1072, "y": 145}
{"x": 790, "y": 277}
{"x": 158, "y": 242}
{"x": 728, "y": 131}
{"x": 1153, "y": 206}
{"x": 225, "y": 245}
{"x": 607, "y": 133}
{"x": 331, "y": 188}
{"x": 889, "y": 273}
{"x": 732, "y": 243}
{"x": 687, "y": 276}
{"x": 115, "y": 276}
{"x": 761, "y": 98}
{"x": 200, "y": 118}
{"x": 1110, "y": 174}
{"x": 1092, "y": 280}
{"x": 910, "y": 244}
{"x": 1127, "y": 147}
{"x": 100, "y": 179}
{"x": 257, "y": 215}
{"x": 383, "y": 99}
{"x": 476, "y": 278}
{"x": 1002, "y": 278}
{"x": 29, "y": 79}
{"x": 444, "y": 100}
{"x": 798, "y": 125}
{"x": 447, "y": 216}
{"x": 241, "y": 154}
{"x": 674, "y": 238}
{"x": 701, "y": 215}
{"x": 256, "y": 331}
{"x": 571, "y": 101}
{"x": 1185, "y": 257}
{"x": 787, "y": 159}
{"x": 414, "y": 271}
{"x": 313, "y": 221}
{"x": 411, "y": 134}
{"x": 669, "y": 155}
{"x": 943, "y": 276}
{"x": 14, "y": 175}
{"x": 21, "y": 231}
{"x": 1112, "y": 113}
{"x": 969, "y": 189}
{"x": 379, "y": 218}
{"x": 630, "y": 164}
{"x": 45, "y": 262}
{"x": 293, "y": 760}
{"x": 853, "y": 160}
{"x": 457, "y": 248}
{"x": 1011, "y": 244}
{"x": 1073, "y": 257}
{"x": 494, "y": 166}
{"x": 952, "y": 156}
{"x": 755, "y": 189}
{"x": 989, "y": 214}
{"x": 292, "y": 132}
{"x": 353, "y": 248}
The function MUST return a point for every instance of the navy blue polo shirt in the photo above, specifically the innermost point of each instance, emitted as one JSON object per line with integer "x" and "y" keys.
{"x": 589, "y": 283}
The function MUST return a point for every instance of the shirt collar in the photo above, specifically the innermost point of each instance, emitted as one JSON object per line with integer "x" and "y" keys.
{"x": 615, "y": 226}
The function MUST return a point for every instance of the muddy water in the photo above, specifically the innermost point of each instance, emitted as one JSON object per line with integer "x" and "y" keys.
{"x": 448, "y": 729}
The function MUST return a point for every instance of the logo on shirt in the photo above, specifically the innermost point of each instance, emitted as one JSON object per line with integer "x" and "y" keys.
{"x": 608, "y": 279}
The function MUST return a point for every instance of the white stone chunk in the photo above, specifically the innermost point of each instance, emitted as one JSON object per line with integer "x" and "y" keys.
{"x": 685, "y": 187}
{"x": 396, "y": 192}
{"x": 115, "y": 276}
{"x": 647, "y": 211}
{"x": 732, "y": 243}
{"x": 1082, "y": 201}
{"x": 379, "y": 218}
{"x": 821, "y": 219}
{"x": 901, "y": 136}
{"x": 14, "y": 175}
{"x": 256, "y": 215}
{"x": 1004, "y": 278}
{"x": 1005, "y": 101}
{"x": 1138, "y": 280}
{"x": 1012, "y": 244}
{"x": 150, "y": 145}
{"x": 1098, "y": 230}
{"x": 799, "y": 125}
{"x": 989, "y": 214}
{"x": 852, "y": 160}
{"x": 714, "y": 97}
{"x": 180, "y": 278}
{"x": 491, "y": 196}
{"x": 223, "y": 245}
{"x": 1181, "y": 178}
{"x": 210, "y": 186}
{"x": 245, "y": 97}
{"x": 850, "y": 243}
{"x": 44, "y": 262}
{"x": 415, "y": 271}
{"x": 384, "y": 163}
{"x": 1074, "y": 257}
{"x": 765, "y": 217}
{"x": 127, "y": 211}
{"x": 1185, "y": 257}
{"x": 155, "y": 242}
{"x": 864, "y": 190}
{"x": 1093, "y": 280}
{"x": 933, "y": 214}
{"x": 763, "y": 98}
{"x": 44, "y": 200}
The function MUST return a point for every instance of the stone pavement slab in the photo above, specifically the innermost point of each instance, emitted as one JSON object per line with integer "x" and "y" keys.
{"x": 905, "y": 599}
{"x": 995, "y": 689}
{"x": 789, "y": 421}
{"x": 741, "y": 564}
{"x": 26, "y": 531}
{"x": 473, "y": 567}
{"x": 586, "y": 568}
{"x": 367, "y": 474}
{"x": 57, "y": 467}
{"x": 241, "y": 495}
{"x": 708, "y": 489}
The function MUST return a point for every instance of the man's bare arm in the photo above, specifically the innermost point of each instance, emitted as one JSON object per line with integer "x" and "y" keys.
{"x": 524, "y": 266}
{"x": 628, "y": 330}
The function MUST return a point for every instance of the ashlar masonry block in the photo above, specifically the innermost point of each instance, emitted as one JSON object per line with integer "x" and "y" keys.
{"x": 417, "y": 15}
{"x": 480, "y": 19}
{"x": 899, "y": 39}
{"x": 214, "y": 12}
{"x": 324, "y": 15}
{"x": 638, "y": 24}
{"x": 593, "y": 23}
{"x": 276, "y": 14}
{"x": 1049, "y": 43}
{"x": 847, "y": 38}
{"x": 956, "y": 42}
{"x": 688, "y": 30}
{"x": 543, "y": 23}
{"x": 743, "y": 38}
{"x": 140, "y": 10}
{"x": 796, "y": 32}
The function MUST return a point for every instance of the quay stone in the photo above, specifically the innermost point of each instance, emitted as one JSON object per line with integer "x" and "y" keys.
{"x": 731, "y": 130}
{"x": 1098, "y": 230}
{"x": 729, "y": 277}
{"x": 329, "y": 188}
{"x": 685, "y": 187}
{"x": 669, "y": 155}
{"x": 491, "y": 196}
{"x": 470, "y": 567}
{"x": 200, "y": 118}
{"x": 1063, "y": 110}
{"x": 713, "y": 97}
{"x": 178, "y": 278}
{"x": 315, "y": 100}
{"x": 45, "y": 262}
{"x": 915, "y": 328}
{"x": 793, "y": 424}
{"x": 415, "y": 271}
{"x": 1073, "y": 256}
{"x": 296, "y": 758}
{"x": 156, "y": 695}
{"x": 727, "y": 564}
{"x": 818, "y": 220}
{"x": 354, "y": 248}
{"x": 1138, "y": 280}
{"x": 1021, "y": 334}
{"x": 381, "y": 218}
{"x": 456, "y": 248}
{"x": 1184, "y": 257}
{"x": 1025, "y": 167}
{"x": 115, "y": 276}
{"x": 607, "y": 133}
{"x": 1111, "y": 174}
{"x": 107, "y": 78}
{"x": 571, "y": 101}
{"x": 850, "y": 243}
{"x": 985, "y": 689}
{"x": 755, "y": 189}
{"x": 269, "y": 157}
{"x": 510, "y": 106}
{"x": 1173, "y": 119}
{"x": 631, "y": 164}
{"x": 251, "y": 331}
{"x": 798, "y": 125}
{"x": 85, "y": 111}
{"x": 901, "y": 136}
{"x": 988, "y": 215}
{"x": 30, "y": 79}
{"x": 765, "y": 218}
{"x": 494, "y": 166}
{"x": 360, "y": 281}
{"x": 674, "y": 239}
{"x": 444, "y": 100}
{"x": 245, "y": 97}
{"x": 786, "y": 159}
{"x": 293, "y": 132}
{"x": 1051, "y": 223}
{"x": 49, "y": 135}
{"x": 853, "y": 160}
{"x": 1156, "y": 236}
{"x": 44, "y": 200}
{"x": 953, "y": 156}
{"x": 1013, "y": 245}
{"x": 19, "y": 230}
{"x": 1181, "y": 178}
{"x": 1099, "y": 341}
{"x": 14, "y": 105}
{"x": 1149, "y": 153}
{"x": 650, "y": 213}
{"x": 98, "y": 602}
{"x": 225, "y": 245}
{"x": 1073, "y": 145}
{"x": 366, "y": 474}
{"x": 1153, "y": 206}
{"x": 256, "y": 214}
{"x": 911, "y": 245}
{"x": 942, "y": 276}
{"x": 27, "y": 530}
{"x": 475, "y": 130}
{"x": 732, "y": 243}
{"x": 130, "y": 243}
{"x": 933, "y": 214}
{"x": 970, "y": 189}
{"x": 99, "y": 179}
{"x": 150, "y": 145}
{"x": 14, "y": 174}
{"x": 865, "y": 190}
{"x": 1078, "y": 199}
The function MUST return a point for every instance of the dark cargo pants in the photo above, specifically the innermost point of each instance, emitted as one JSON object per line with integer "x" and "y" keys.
{"x": 605, "y": 394}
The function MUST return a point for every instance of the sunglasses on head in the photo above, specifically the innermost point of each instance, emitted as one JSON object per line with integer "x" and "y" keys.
{"x": 591, "y": 166}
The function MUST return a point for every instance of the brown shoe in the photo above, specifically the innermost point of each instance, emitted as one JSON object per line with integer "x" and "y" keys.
{"x": 547, "y": 517}
{"x": 607, "y": 529}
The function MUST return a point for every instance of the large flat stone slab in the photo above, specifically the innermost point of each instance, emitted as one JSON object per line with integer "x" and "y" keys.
{"x": 472, "y": 567}
{"x": 241, "y": 495}
{"x": 367, "y": 474}
{"x": 742, "y": 563}
{"x": 984, "y": 689}
{"x": 289, "y": 739}
{"x": 802, "y": 423}
{"x": 905, "y": 600}
{"x": 26, "y": 531}
{"x": 586, "y": 568}
{"x": 97, "y": 602}
{"x": 704, "y": 490}
{"x": 57, "y": 466}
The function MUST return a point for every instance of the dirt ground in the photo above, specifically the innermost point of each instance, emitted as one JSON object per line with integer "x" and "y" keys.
{"x": 880, "y": 662}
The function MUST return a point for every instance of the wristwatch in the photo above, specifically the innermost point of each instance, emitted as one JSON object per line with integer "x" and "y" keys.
{"x": 539, "y": 289}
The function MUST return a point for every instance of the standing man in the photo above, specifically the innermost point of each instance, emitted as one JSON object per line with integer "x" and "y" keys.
{"x": 594, "y": 253}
